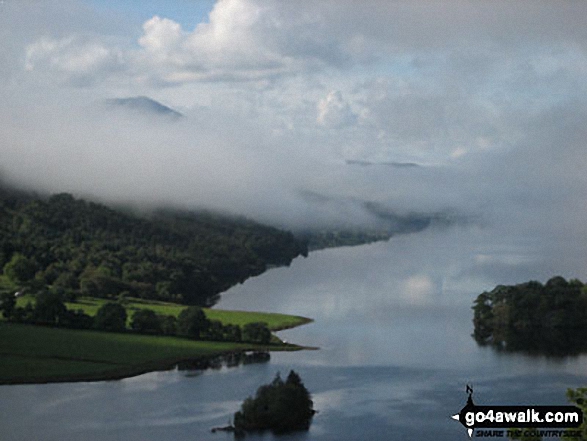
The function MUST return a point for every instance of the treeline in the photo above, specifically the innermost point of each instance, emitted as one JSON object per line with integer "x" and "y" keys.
{"x": 549, "y": 318}
{"x": 49, "y": 310}
{"x": 86, "y": 248}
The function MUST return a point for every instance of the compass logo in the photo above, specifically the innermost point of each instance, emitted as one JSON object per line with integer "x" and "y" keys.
{"x": 475, "y": 417}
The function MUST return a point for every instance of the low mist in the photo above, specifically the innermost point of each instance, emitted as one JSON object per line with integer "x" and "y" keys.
{"x": 312, "y": 134}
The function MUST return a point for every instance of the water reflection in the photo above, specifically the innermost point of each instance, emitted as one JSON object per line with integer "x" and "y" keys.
{"x": 231, "y": 360}
{"x": 393, "y": 322}
{"x": 407, "y": 302}
{"x": 552, "y": 343}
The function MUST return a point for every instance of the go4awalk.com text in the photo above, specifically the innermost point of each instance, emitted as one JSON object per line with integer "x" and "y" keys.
{"x": 519, "y": 421}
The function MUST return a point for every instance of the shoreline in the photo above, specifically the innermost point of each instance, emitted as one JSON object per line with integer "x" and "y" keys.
{"x": 117, "y": 369}
{"x": 131, "y": 372}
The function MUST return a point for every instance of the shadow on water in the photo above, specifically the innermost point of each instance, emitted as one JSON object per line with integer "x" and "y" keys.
{"x": 551, "y": 343}
{"x": 231, "y": 360}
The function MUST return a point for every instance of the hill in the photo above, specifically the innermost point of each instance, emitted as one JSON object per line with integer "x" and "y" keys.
{"x": 84, "y": 248}
{"x": 143, "y": 105}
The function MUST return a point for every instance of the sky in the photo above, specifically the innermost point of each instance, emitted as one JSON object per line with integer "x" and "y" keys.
{"x": 488, "y": 98}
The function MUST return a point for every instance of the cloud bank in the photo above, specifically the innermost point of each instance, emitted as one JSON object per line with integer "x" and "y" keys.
{"x": 280, "y": 99}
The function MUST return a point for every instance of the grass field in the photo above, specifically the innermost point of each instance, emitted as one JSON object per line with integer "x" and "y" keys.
{"x": 274, "y": 321}
{"x": 37, "y": 354}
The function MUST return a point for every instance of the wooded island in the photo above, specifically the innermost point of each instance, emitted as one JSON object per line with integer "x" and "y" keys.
{"x": 532, "y": 317}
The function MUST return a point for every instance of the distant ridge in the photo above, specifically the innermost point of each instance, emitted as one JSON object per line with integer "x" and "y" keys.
{"x": 144, "y": 105}
{"x": 387, "y": 222}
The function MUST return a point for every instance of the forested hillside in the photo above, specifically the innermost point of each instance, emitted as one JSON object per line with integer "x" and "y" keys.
{"x": 80, "y": 247}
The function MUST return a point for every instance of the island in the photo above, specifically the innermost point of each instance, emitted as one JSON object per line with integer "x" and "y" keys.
{"x": 280, "y": 406}
{"x": 543, "y": 319}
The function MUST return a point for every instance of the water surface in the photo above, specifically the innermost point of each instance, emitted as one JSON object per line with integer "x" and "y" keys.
{"x": 393, "y": 323}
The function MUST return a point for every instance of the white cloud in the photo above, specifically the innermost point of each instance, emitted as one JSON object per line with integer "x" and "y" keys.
{"x": 244, "y": 40}
{"x": 160, "y": 35}
{"x": 334, "y": 111}
{"x": 261, "y": 80}
{"x": 79, "y": 61}
{"x": 228, "y": 46}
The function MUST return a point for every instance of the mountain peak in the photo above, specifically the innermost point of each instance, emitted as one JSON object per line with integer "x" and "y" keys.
{"x": 144, "y": 105}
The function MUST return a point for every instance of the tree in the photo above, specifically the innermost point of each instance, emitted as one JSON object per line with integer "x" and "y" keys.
{"x": 215, "y": 331}
{"x": 532, "y": 317}
{"x": 279, "y": 406}
{"x": 186, "y": 257}
{"x": 483, "y": 318}
{"x": 192, "y": 322}
{"x": 111, "y": 317}
{"x": 77, "y": 320}
{"x": 301, "y": 406}
{"x": 19, "y": 269}
{"x": 578, "y": 397}
{"x": 66, "y": 280}
{"x": 163, "y": 289}
{"x": 49, "y": 308}
{"x": 232, "y": 333}
{"x": 169, "y": 325}
{"x": 7, "y": 304}
{"x": 557, "y": 281}
{"x": 94, "y": 283}
{"x": 145, "y": 321}
{"x": 24, "y": 314}
{"x": 256, "y": 333}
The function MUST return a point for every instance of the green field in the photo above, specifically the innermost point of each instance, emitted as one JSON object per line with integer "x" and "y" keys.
{"x": 274, "y": 321}
{"x": 37, "y": 354}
